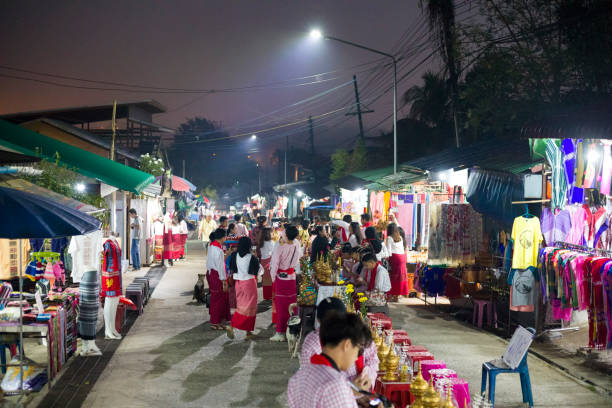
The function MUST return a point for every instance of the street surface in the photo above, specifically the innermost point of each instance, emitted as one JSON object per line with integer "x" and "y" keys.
{"x": 171, "y": 358}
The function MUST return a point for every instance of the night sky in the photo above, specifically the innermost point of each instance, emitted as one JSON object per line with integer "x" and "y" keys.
{"x": 210, "y": 45}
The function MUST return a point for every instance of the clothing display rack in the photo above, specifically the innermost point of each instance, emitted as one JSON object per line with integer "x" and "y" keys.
{"x": 582, "y": 248}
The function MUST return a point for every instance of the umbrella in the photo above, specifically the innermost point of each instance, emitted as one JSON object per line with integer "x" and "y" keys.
{"x": 192, "y": 186}
{"x": 33, "y": 216}
{"x": 180, "y": 184}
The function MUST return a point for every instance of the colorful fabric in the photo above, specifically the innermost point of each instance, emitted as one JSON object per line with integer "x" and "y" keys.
{"x": 219, "y": 308}
{"x": 111, "y": 269}
{"x": 559, "y": 182}
{"x": 246, "y": 305}
{"x": 555, "y": 228}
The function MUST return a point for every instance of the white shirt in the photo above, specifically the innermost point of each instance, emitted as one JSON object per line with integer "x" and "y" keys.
{"x": 136, "y": 233}
{"x": 395, "y": 247}
{"x": 384, "y": 253}
{"x": 183, "y": 227}
{"x": 353, "y": 241}
{"x": 85, "y": 251}
{"x": 267, "y": 249}
{"x": 382, "y": 282}
{"x": 216, "y": 260}
{"x": 242, "y": 264}
{"x": 158, "y": 228}
{"x": 344, "y": 225}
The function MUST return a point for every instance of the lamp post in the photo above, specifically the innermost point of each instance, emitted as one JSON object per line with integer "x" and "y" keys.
{"x": 317, "y": 34}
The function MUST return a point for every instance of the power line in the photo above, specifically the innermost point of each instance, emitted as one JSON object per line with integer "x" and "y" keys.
{"x": 155, "y": 89}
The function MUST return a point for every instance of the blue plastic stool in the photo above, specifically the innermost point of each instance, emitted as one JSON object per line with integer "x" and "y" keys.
{"x": 3, "y": 347}
{"x": 491, "y": 371}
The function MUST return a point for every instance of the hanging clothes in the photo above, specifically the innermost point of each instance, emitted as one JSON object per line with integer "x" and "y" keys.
{"x": 559, "y": 181}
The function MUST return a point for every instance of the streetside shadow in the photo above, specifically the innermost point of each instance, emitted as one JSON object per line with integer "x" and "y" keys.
{"x": 177, "y": 348}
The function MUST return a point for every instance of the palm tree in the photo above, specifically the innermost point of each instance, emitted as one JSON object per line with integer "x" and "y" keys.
{"x": 441, "y": 16}
{"x": 430, "y": 103}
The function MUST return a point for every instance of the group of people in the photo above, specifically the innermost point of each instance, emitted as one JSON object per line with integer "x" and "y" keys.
{"x": 236, "y": 259}
{"x": 170, "y": 232}
{"x": 239, "y": 256}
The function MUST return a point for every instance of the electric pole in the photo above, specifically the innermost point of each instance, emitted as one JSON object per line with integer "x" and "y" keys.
{"x": 312, "y": 150}
{"x": 359, "y": 111}
{"x": 286, "y": 148}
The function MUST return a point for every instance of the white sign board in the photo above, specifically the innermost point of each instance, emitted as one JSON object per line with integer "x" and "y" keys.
{"x": 330, "y": 291}
{"x": 519, "y": 345}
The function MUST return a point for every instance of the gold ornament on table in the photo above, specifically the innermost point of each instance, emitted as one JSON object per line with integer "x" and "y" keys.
{"x": 431, "y": 398}
{"x": 391, "y": 364}
{"x": 404, "y": 377}
{"x": 448, "y": 403}
{"x": 418, "y": 386}
{"x": 322, "y": 270}
{"x": 383, "y": 350}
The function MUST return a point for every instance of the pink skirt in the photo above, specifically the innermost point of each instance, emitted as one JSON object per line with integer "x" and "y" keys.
{"x": 219, "y": 309}
{"x": 246, "y": 305}
{"x": 284, "y": 295}
{"x": 398, "y": 275}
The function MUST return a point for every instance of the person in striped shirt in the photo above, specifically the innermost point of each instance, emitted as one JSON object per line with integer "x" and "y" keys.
{"x": 323, "y": 383}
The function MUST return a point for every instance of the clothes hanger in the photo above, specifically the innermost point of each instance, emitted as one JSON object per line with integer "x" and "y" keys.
{"x": 527, "y": 215}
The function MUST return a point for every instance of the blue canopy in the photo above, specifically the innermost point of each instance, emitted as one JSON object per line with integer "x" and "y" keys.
{"x": 29, "y": 215}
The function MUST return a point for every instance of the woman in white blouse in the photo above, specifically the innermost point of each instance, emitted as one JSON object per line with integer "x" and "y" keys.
{"x": 355, "y": 236}
{"x": 244, "y": 268}
{"x": 396, "y": 246}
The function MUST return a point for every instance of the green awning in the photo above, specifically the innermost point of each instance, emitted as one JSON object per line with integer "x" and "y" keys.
{"x": 80, "y": 161}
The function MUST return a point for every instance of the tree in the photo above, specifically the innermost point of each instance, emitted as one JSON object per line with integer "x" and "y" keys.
{"x": 441, "y": 18}
{"x": 430, "y": 103}
{"x": 345, "y": 163}
{"x": 204, "y": 146}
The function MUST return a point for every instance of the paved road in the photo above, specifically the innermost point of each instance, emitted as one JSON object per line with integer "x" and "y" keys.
{"x": 171, "y": 358}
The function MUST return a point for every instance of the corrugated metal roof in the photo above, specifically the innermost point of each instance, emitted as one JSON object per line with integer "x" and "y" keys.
{"x": 507, "y": 155}
{"x": 84, "y": 114}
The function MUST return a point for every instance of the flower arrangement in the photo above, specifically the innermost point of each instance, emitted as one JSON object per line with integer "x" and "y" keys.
{"x": 363, "y": 308}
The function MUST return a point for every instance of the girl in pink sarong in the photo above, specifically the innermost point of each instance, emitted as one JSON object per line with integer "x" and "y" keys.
{"x": 284, "y": 265}
{"x": 245, "y": 268}
{"x": 219, "y": 308}
{"x": 265, "y": 248}
{"x": 399, "y": 274}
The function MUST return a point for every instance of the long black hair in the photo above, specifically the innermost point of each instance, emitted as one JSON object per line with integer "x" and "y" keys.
{"x": 244, "y": 246}
{"x": 373, "y": 240}
{"x": 356, "y": 230}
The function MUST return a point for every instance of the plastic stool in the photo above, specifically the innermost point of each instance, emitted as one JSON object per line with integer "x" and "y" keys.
{"x": 479, "y": 306}
{"x": 13, "y": 347}
{"x": 491, "y": 371}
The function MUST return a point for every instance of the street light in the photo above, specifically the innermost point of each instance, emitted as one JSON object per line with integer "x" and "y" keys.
{"x": 253, "y": 137}
{"x": 316, "y": 34}
{"x": 79, "y": 187}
